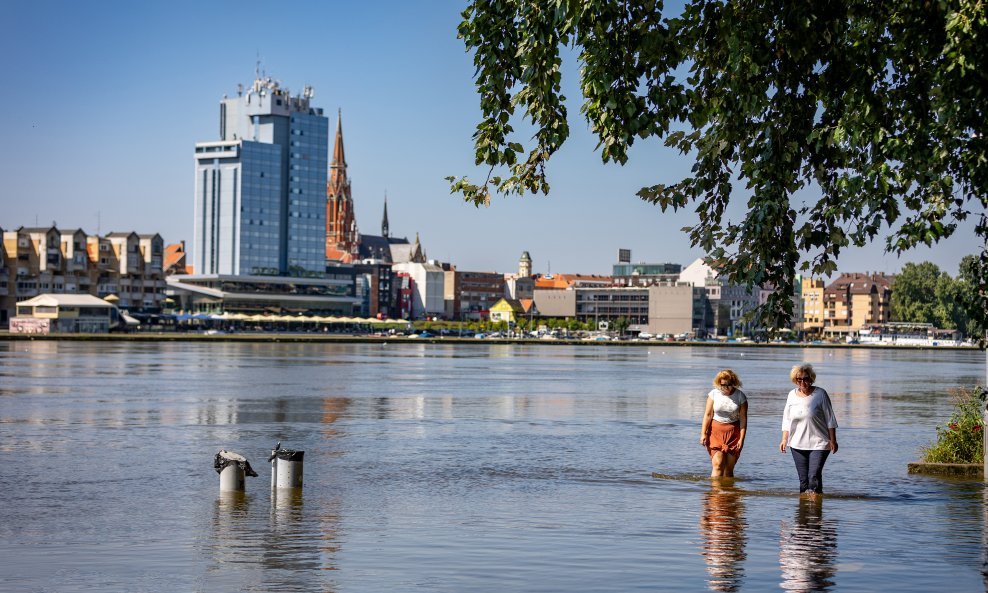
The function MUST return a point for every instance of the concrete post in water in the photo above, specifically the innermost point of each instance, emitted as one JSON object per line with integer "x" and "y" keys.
{"x": 286, "y": 467}
{"x": 233, "y": 469}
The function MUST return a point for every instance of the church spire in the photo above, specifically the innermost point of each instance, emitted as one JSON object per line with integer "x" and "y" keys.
{"x": 384, "y": 221}
{"x": 337, "y": 166}
{"x": 342, "y": 238}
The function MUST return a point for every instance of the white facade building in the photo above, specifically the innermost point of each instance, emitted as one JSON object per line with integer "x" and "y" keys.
{"x": 428, "y": 299}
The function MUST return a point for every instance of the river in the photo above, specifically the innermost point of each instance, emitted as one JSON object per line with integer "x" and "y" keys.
{"x": 475, "y": 467}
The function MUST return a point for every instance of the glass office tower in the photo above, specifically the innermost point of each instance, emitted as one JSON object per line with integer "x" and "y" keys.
{"x": 260, "y": 190}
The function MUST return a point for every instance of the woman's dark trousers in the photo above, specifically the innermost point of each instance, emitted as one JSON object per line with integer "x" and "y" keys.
{"x": 809, "y": 466}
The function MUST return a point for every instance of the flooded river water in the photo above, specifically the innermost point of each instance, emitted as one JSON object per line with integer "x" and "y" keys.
{"x": 475, "y": 467}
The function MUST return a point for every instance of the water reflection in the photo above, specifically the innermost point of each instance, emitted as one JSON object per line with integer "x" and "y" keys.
{"x": 722, "y": 525}
{"x": 289, "y": 553}
{"x": 230, "y": 524}
{"x": 808, "y": 549}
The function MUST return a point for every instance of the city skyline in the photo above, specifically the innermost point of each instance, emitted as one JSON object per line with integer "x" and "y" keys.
{"x": 114, "y": 96}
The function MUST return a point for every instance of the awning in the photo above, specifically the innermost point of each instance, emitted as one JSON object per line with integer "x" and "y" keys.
{"x": 130, "y": 321}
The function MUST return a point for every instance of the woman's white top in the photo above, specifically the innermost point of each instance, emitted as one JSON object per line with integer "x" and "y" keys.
{"x": 726, "y": 406}
{"x": 809, "y": 420}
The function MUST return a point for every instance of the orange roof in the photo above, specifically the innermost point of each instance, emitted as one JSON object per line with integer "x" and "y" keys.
{"x": 563, "y": 281}
{"x": 551, "y": 283}
{"x": 175, "y": 258}
{"x": 339, "y": 255}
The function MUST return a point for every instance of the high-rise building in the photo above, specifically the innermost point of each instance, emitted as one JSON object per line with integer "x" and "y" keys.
{"x": 260, "y": 190}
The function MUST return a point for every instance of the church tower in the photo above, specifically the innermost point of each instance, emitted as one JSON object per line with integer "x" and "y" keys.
{"x": 342, "y": 240}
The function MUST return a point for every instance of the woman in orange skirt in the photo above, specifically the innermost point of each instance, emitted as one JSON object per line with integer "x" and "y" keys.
{"x": 725, "y": 421}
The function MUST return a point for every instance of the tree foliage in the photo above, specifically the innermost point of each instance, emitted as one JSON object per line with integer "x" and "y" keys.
{"x": 924, "y": 294}
{"x": 880, "y": 106}
{"x": 973, "y": 295}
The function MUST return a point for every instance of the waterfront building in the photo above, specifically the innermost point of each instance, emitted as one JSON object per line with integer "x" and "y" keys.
{"x": 657, "y": 309}
{"x": 260, "y": 190}
{"x": 428, "y": 287}
{"x": 342, "y": 238}
{"x": 854, "y": 301}
{"x": 521, "y": 285}
{"x": 469, "y": 296}
{"x": 122, "y": 267}
{"x": 66, "y": 313}
{"x": 727, "y": 305}
{"x": 331, "y": 294}
{"x": 512, "y": 311}
{"x": 812, "y": 319}
{"x": 381, "y": 297}
{"x": 405, "y": 291}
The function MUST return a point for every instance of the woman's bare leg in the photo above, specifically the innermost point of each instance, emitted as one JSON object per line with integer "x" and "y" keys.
{"x": 718, "y": 464}
{"x": 729, "y": 462}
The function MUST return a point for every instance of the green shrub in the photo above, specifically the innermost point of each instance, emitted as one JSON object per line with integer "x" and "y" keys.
{"x": 961, "y": 439}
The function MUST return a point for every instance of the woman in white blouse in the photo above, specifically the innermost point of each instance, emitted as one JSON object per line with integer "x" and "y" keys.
{"x": 809, "y": 428}
{"x": 725, "y": 422}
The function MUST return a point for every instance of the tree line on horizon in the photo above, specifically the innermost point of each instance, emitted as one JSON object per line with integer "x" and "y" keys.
{"x": 922, "y": 293}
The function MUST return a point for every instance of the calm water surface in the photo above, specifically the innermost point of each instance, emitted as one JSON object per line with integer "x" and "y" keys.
{"x": 470, "y": 468}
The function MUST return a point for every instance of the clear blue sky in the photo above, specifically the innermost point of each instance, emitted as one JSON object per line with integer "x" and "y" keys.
{"x": 104, "y": 101}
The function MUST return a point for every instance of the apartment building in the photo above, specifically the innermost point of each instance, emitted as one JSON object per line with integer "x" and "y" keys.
{"x": 854, "y": 301}
{"x": 123, "y": 268}
{"x": 469, "y": 296}
{"x": 813, "y": 309}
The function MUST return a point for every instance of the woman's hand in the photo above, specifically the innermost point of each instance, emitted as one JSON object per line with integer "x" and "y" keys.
{"x": 704, "y": 439}
{"x": 833, "y": 445}
{"x": 785, "y": 439}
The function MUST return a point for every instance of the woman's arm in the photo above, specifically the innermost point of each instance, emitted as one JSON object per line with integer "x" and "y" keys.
{"x": 785, "y": 427}
{"x": 833, "y": 440}
{"x": 743, "y": 417}
{"x": 708, "y": 416}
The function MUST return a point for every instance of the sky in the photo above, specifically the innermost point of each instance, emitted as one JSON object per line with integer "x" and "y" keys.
{"x": 106, "y": 99}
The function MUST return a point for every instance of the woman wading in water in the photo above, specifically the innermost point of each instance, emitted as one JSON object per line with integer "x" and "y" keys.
{"x": 809, "y": 429}
{"x": 725, "y": 421}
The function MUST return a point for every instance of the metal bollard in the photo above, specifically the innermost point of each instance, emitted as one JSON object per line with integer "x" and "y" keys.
{"x": 233, "y": 469}
{"x": 286, "y": 467}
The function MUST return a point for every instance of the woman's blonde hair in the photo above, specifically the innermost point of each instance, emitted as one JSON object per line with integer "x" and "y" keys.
{"x": 728, "y": 376}
{"x": 803, "y": 369}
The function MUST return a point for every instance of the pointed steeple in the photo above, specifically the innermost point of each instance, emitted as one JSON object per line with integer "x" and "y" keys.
{"x": 384, "y": 221}
{"x": 342, "y": 238}
{"x": 337, "y": 167}
{"x": 417, "y": 254}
